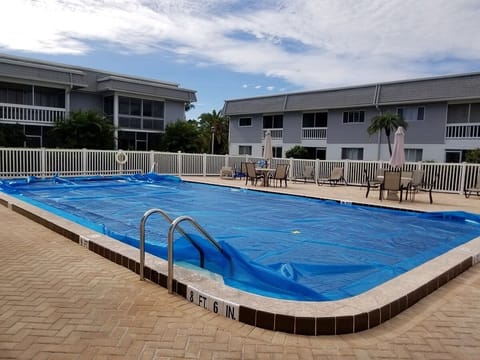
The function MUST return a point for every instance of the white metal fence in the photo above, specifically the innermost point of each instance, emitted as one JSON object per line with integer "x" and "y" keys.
{"x": 42, "y": 162}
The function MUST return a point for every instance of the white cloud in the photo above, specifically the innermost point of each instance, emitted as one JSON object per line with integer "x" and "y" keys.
{"x": 310, "y": 43}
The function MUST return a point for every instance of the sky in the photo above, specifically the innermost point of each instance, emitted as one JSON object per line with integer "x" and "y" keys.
{"x": 230, "y": 49}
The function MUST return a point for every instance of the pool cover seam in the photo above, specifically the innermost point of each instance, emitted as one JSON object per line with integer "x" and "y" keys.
{"x": 301, "y": 325}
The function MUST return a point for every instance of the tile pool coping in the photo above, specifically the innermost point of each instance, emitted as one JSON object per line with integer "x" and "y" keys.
{"x": 207, "y": 290}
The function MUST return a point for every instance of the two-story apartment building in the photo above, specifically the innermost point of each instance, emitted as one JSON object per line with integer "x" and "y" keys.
{"x": 443, "y": 116}
{"x": 35, "y": 94}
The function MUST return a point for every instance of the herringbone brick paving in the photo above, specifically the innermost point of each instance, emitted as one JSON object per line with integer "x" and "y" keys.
{"x": 61, "y": 301}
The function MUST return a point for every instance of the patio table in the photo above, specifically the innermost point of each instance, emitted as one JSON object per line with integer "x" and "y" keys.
{"x": 265, "y": 173}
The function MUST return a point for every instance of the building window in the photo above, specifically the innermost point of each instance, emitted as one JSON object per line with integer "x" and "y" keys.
{"x": 108, "y": 106}
{"x": 413, "y": 155}
{"x": 277, "y": 151}
{"x": 49, "y": 97}
{"x": 353, "y": 117}
{"x": 411, "y": 113}
{"x": 244, "y": 150}
{"x": 138, "y": 113}
{"x": 16, "y": 94}
{"x": 244, "y": 122}
{"x": 273, "y": 121}
{"x": 33, "y": 136}
{"x": 463, "y": 113}
{"x": 32, "y": 95}
{"x": 455, "y": 156}
{"x": 352, "y": 153}
{"x": 142, "y": 141}
{"x": 315, "y": 120}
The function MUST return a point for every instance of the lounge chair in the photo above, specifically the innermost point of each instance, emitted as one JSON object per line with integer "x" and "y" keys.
{"x": 418, "y": 184}
{"x": 476, "y": 189}
{"x": 371, "y": 183}
{"x": 226, "y": 172}
{"x": 307, "y": 174}
{"x": 336, "y": 175}
{"x": 392, "y": 181}
{"x": 281, "y": 173}
{"x": 252, "y": 174}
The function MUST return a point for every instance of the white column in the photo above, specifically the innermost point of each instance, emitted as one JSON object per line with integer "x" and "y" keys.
{"x": 67, "y": 102}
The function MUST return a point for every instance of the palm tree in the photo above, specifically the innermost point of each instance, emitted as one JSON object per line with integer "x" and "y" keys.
{"x": 214, "y": 126}
{"x": 388, "y": 122}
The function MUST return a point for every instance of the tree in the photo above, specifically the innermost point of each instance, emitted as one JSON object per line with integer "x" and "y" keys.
{"x": 473, "y": 156}
{"x": 389, "y": 123}
{"x": 182, "y": 136}
{"x": 189, "y": 106}
{"x": 83, "y": 129}
{"x": 11, "y": 135}
{"x": 216, "y": 125}
{"x": 297, "y": 152}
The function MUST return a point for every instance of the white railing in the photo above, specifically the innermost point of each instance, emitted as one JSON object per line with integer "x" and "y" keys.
{"x": 314, "y": 133}
{"x": 15, "y": 113}
{"x": 276, "y": 133}
{"x": 42, "y": 162}
{"x": 462, "y": 131}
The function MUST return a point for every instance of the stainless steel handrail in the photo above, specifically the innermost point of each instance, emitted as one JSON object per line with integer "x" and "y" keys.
{"x": 171, "y": 231}
{"x": 145, "y": 216}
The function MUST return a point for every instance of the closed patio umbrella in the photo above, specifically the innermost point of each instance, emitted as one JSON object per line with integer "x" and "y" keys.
{"x": 398, "y": 152}
{"x": 267, "y": 150}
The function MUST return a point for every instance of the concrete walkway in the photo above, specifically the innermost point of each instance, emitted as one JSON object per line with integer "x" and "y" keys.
{"x": 61, "y": 301}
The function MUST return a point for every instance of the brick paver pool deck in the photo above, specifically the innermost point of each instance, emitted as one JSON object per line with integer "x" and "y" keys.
{"x": 60, "y": 301}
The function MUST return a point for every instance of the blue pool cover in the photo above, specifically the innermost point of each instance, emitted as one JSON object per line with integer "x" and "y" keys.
{"x": 282, "y": 246}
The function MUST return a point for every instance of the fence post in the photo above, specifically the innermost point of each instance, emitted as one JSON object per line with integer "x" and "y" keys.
{"x": 290, "y": 168}
{"x": 346, "y": 170}
{"x": 43, "y": 161}
{"x": 179, "y": 162}
{"x": 317, "y": 169}
{"x": 204, "y": 164}
{"x": 152, "y": 161}
{"x": 463, "y": 176}
{"x": 227, "y": 160}
{"x": 84, "y": 161}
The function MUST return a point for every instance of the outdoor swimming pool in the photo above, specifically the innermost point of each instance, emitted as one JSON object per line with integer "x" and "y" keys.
{"x": 281, "y": 246}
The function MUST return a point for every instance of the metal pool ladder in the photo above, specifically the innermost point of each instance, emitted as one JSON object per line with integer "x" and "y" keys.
{"x": 174, "y": 225}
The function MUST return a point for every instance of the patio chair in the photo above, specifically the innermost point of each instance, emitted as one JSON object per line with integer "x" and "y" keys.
{"x": 242, "y": 172}
{"x": 252, "y": 174}
{"x": 336, "y": 175}
{"x": 307, "y": 174}
{"x": 415, "y": 184}
{"x": 475, "y": 189}
{"x": 392, "y": 182}
{"x": 281, "y": 173}
{"x": 371, "y": 183}
{"x": 418, "y": 184}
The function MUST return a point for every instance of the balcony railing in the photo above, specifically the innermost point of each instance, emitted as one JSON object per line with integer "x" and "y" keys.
{"x": 314, "y": 133}
{"x": 27, "y": 113}
{"x": 276, "y": 133}
{"x": 462, "y": 131}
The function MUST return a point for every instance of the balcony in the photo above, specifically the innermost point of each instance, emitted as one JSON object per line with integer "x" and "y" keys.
{"x": 15, "y": 113}
{"x": 314, "y": 133}
{"x": 463, "y": 131}
{"x": 276, "y": 133}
